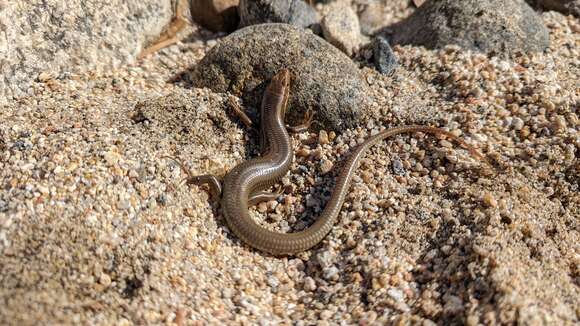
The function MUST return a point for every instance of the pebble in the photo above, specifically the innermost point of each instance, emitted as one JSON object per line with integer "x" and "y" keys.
{"x": 325, "y": 258}
{"x": 453, "y": 305}
{"x": 517, "y": 123}
{"x": 428, "y": 322}
{"x": 273, "y": 282}
{"x": 384, "y": 58}
{"x": 331, "y": 273}
{"x": 326, "y": 314}
{"x": 325, "y": 166}
{"x": 489, "y": 200}
{"x": 303, "y": 152}
{"x": 309, "y": 284}
{"x": 323, "y": 137}
{"x": 262, "y": 207}
{"x": 105, "y": 280}
{"x": 396, "y": 294}
{"x": 398, "y": 167}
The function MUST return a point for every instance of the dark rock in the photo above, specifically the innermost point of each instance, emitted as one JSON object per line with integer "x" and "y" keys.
{"x": 324, "y": 79}
{"x": 294, "y": 12}
{"x": 316, "y": 29}
{"x": 384, "y": 58}
{"x": 497, "y": 26}
{"x": 398, "y": 167}
{"x": 216, "y": 15}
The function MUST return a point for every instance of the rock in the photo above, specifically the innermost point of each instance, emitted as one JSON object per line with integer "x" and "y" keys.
{"x": 418, "y": 3}
{"x": 396, "y": 294}
{"x": 453, "y": 305}
{"x": 496, "y": 26}
{"x": 309, "y": 284}
{"x": 372, "y": 18}
{"x": 331, "y": 273}
{"x": 52, "y": 37}
{"x": 324, "y": 79}
{"x": 341, "y": 28}
{"x": 294, "y": 12}
{"x": 567, "y": 7}
{"x": 216, "y": 15}
{"x": 324, "y": 259}
{"x": 384, "y": 58}
{"x": 398, "y": 167}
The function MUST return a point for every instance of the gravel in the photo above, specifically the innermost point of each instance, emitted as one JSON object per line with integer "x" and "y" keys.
{"x": 96, "y": 226}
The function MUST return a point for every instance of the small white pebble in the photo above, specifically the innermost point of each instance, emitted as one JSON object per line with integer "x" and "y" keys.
{"x": 517, "y": 123}
{"x": 309, "y": 284}
{"x": 325, "y": 166}
{"x": 396, "y": 294}
{"x": 489, "y": 200}
{"x": 105, "y": 280}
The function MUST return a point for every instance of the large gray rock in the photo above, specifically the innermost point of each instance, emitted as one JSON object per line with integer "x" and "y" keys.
{"x": 324, "y": 79}
{"x": 58, "y": 36}
{"x": 498, "y": 26}
{"x": 294, "y": 12}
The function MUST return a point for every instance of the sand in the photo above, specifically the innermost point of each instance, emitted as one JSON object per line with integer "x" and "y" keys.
{"x": 96, "y": 226}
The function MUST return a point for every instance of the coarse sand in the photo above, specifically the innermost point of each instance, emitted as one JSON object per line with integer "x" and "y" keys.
{"x": 97, "y": 227}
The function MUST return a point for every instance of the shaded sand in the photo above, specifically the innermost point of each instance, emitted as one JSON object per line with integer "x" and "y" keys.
{"x": 96, "y": 228}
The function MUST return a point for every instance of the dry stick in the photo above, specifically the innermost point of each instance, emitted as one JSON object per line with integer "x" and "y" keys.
{"x": 239, "y": 112}
{"x": 169, "y": 36}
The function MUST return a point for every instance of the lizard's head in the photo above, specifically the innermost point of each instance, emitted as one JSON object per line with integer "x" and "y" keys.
{"x": 281, "y": 80}
{"x": 280, "y": 85}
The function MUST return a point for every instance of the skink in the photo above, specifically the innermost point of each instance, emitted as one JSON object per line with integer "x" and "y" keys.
{"x": 245, "y": 183}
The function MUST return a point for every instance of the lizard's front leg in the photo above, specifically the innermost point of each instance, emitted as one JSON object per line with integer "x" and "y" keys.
{"x": 214, "y": 183}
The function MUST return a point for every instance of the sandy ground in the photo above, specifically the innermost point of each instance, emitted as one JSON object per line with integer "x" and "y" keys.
{"x": 96, "y": 228}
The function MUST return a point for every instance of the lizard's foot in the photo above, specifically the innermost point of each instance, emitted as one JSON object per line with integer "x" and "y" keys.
{"x": 262, "y": 196}
{"x": 213, "y": 182}
{"x": 307, "y": 121}
{"x": 239, "y": 112}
